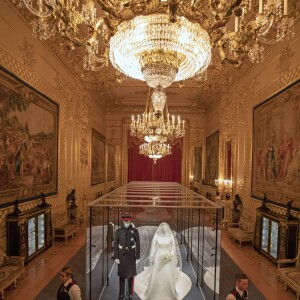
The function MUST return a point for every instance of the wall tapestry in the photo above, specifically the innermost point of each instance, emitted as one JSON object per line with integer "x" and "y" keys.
{"x": 276, "y": 147}
{"x": 198, "y": 164}
{"x": 212, "y": 159}
{"x": 98, "y": 158}
{"x": 28, "y": 141}
{"x": 110, "y": 163}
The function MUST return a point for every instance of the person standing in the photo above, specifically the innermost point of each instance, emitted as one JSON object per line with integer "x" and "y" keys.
{"x": 127, "y": 254}
{"x": 69, "y": 289}
{"x": 240, "y": 292}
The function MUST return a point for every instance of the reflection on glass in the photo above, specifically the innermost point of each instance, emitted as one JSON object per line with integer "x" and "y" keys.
{"x": 31, "y": 236}
{"x": 41, "y": 231}
{"x": 265, "y": 234}
{"x": 274, "y": 239}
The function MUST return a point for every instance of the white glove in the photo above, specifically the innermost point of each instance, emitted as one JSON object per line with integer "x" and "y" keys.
{"x": 137, "y": 261}
{"x": 151, "y": 260}
{"x": 117, "y": 261}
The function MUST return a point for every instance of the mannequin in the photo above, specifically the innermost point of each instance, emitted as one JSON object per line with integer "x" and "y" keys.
{"x": 127, "y": 254}
{"x": 163, "y": 279}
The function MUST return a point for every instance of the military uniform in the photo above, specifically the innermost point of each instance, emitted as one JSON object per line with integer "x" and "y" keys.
{"x": 127, "y": 250}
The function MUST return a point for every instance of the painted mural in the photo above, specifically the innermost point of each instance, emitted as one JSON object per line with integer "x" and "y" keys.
{"x": 276, "y": 147}
{"x": 98, "y": 158}
{"x": 28, "y": 141}
{"x": 212, "y": 159}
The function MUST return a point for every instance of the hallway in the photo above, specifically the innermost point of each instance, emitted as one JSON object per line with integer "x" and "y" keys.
{"x": 261, "y": 272}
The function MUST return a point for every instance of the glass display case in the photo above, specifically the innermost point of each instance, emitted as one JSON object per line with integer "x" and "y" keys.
{"x": 193, "y": 221}
{"x": 276, "y": 235}
{"x": 269, "y": 237}
{"x": 41, "y": 231}
{"x": 31, "y": 236}
{"x": 29, "y": 232}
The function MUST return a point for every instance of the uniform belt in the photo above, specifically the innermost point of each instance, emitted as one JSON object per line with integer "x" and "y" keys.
{"x": 121, "y": 247}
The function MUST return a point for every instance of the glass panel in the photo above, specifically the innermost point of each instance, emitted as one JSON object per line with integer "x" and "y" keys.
{"x": 274, "y": 239}
{"x": 31, "y": 236}
{"x": 192, "y": 227}
{"x": 41, "y": 231}
{"x": 265, "y": 234}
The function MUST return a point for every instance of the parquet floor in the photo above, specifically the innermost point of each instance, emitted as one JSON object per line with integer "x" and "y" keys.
{"x": 45, "y": 266}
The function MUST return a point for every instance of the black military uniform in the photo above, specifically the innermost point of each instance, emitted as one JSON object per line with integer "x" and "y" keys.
{"x": 127, "y": 250}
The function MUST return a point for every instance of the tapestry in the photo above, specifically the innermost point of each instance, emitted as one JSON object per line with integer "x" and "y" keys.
{"x": 197, "y": 164}
{"x": 110, "y": 163}
{"x": 212, "y": 159}
{"x": 98, "y": 158}
{"x": 28, "y": 141}
{"x": 276, "y": 147}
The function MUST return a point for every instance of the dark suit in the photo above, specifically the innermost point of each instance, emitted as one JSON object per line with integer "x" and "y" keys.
{"x": 127, "y": 250}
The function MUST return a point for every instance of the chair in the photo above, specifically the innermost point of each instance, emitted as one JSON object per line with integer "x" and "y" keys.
{"x": 243, "y": 231}
{"x": 11, "y": 268}
{"x": 290, "y": 275}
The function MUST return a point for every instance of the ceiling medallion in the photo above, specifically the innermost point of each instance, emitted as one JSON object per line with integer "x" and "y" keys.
{"x": 162, "y": 41}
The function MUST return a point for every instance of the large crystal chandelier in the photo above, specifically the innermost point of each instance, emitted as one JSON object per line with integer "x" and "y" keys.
{"x": 152, "y": 49}
{"x": 162, "y": 41}
{"x": 155, "y": 150}
{"x": 156, "y": 124}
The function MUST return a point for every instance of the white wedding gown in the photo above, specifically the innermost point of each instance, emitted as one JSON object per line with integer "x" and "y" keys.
{"x": 162, "y": 280}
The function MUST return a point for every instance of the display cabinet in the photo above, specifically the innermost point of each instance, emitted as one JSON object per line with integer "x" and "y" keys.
{"x": 276, "y": 235}
{"x": 29, "y": 232}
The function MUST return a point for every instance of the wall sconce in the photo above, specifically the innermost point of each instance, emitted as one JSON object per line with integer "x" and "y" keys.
{"x": 223, "y": 188}
{"x": 191, "y": 181}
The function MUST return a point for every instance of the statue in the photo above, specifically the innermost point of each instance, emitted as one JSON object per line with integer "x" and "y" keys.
{"x": 17, "y": 210}
{"x": 264, "y": 203}
{"x": 73, "y": 206}
{"x": 44, "y": 203}
{"x": 237, "y": 201}
{"x": 288, "y": 208}
{"x": 235, "y": 211}
{"x": 71, "y": 198}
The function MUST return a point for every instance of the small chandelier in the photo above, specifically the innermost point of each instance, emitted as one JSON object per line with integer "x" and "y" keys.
{"x": 155, "y": 150}
{"x": 155, "y": 124}
{"x": 162, "y": 41}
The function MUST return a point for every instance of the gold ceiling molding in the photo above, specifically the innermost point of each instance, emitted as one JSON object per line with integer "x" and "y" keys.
{"x": 196, "y": 137}
{"x": 197, "y": 124}
{"x": 27, "y": 53}
{"x": 285, "y": 61}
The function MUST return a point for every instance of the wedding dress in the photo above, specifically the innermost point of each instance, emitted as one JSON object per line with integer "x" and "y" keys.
{"x": 162, "y": 279}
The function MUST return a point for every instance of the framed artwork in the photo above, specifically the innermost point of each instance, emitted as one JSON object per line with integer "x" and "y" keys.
{"x": 276, "y": 147}
{"x": 198, "y": 164}
{"x": 98, "y": 158}
{"x": 212, "y": 159}
{"x": 110, "y": 163}
{"x": 28, "y": 141}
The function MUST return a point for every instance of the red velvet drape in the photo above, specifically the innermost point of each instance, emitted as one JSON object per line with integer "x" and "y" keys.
{"x": 141, "y": 168}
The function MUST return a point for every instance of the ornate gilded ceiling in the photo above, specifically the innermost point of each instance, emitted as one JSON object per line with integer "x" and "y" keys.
{"x": 114, "y": 92}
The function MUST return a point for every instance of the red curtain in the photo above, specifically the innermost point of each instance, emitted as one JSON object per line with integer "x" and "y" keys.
{"x": 141, "y": 168}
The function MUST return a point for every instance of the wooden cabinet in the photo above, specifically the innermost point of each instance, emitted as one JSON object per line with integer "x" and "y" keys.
{"x": 29, "y": 232}
{"x": 276, "y": 236}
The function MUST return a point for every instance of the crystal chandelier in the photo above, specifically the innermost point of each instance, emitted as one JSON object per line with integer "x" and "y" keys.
{"x": 152, "y": 49}
{"x": 162, "y": 41}
{"x": 155, "y": 150}
{"x": 155, "y": 124}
